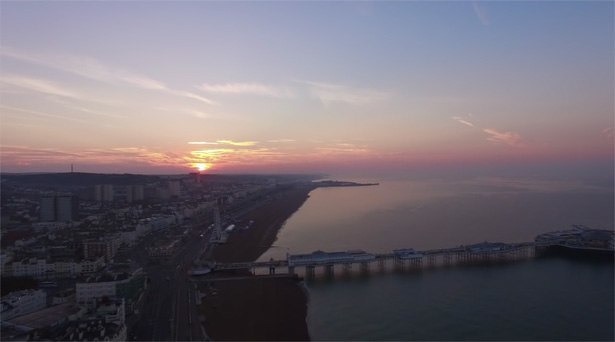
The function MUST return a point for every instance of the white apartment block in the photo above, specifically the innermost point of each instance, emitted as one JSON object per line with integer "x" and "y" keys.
{"x": 39, "y": 268}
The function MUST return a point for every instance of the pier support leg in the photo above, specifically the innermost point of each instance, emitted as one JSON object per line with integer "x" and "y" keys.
{"x": 271, "y": 270}
{"x": 364, "y": 268}
{"x": 399, "y": 265}
{"x": 381, "y": 265}
{"x": 431, "y": 260}
{"x": 500, "y": 257}
{"x": 463, "y": 258}
{"x": 447, "y": 259}
{"x": 347, "y": 269}
{"x": 329, "y": 271}
{"x": 309, "y": 272}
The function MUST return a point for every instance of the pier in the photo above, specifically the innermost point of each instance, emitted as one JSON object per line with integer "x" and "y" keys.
{"x": 330, "y": 264}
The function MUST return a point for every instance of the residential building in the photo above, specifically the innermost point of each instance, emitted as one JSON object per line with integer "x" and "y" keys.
{"x": 62, "y": 208}
{"x": 41, "y": 269}
{"x": 106, "y": 247}
{"x": 104, "y": 193}
{"x": 174, "y": 188}
{"x": 48, "y": 208}
{"x": 134, "y": 193}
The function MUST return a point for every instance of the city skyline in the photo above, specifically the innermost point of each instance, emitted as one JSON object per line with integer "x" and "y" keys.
{"x": 315, "y": 87}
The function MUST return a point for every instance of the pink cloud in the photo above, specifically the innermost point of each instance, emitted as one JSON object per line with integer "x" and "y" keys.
{"x": 507, "y": 138}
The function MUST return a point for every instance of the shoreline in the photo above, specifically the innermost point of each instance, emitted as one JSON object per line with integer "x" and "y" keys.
{"x": 245, "y": 245}
{"x": 250, "y": 308}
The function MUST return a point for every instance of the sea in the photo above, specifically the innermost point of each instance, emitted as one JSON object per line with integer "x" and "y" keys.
{"x": 551, "y": 298}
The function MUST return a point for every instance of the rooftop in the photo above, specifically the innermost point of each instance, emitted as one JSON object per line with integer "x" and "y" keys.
{"x": 106, "y": 277}
{"x": 46, "y": 317}
{"x": 21, "y": 293}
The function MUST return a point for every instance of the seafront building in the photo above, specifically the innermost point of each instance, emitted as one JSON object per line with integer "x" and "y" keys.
{"x": 120, "y": 285}
{"x": 22, "y": 302}
{"x": 44, "y": 269}
{"x": 74, "y": 250}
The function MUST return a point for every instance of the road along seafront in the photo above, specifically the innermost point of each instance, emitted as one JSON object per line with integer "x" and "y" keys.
{"x": 239, "y": 306}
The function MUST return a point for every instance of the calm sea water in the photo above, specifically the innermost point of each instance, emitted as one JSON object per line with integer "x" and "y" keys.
{"x": 542, "y": 299}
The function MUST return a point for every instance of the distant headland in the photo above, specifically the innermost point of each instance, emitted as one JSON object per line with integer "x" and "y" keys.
{"x": 333, "y": 183}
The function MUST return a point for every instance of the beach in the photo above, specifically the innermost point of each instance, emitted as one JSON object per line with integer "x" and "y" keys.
{"x": 249, "y": 244}
{"x": 242, "y": 307}
{"x": 255, "y": 309}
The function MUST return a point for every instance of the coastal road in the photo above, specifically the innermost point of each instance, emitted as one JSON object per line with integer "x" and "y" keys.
{"x": 185, "y": 312}
{"x": 169, "y": 311}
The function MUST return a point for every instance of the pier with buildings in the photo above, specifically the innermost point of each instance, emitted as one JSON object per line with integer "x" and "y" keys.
{"x": 330, "y": 263}
{"x": 580, "y": 239}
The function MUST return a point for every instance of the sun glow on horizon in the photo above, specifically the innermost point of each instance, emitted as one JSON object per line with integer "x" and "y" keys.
{"x": 201, "y": 166}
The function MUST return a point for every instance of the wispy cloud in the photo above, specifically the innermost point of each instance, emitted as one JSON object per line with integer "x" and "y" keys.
{"x": 507, "y": 138}
{"x": 202, "y": 143}
{"x": 38, "y": 85}
{"x": 225, "y": 142}
{"x": 193, "y": 96}
{"x": 329, "y": 93}
{"x": 83, "y": 109}
{"x": 54, "y": 92}
{"x": 84, "y": 66}
{"x": 192, "y": 112}
{"x": 608, "y": 132}
{"x": 481, "y": 13}
{"x": 41, "y": 114}
{"x": 463, "y": 121}
{"x": 93, "y": 69}
{"x": 30, "y": 158}
{"x": 29, "y": 153}
{"x": 246, "y": 88}
{"x": 342, "y": 150}
{"x": 237, "y": 143}
{"x": 221, "y": 158}
{"x": 121, "y": 156}
{"x": 493, "y": 135}
{"x": 275, "y": 141}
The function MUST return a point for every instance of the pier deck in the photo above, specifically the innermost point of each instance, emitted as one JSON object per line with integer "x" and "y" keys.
{"x": 579, "y": 238}
{"x": 406, "y": 258}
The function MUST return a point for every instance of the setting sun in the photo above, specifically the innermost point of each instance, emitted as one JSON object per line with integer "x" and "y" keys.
{"x": 201, "y": 166}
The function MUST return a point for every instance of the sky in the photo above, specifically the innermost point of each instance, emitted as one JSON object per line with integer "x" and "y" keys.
{"x": 269, "y": 87}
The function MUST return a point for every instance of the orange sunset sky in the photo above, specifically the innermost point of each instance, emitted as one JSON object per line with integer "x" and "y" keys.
{"x": 176, "y": 87}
